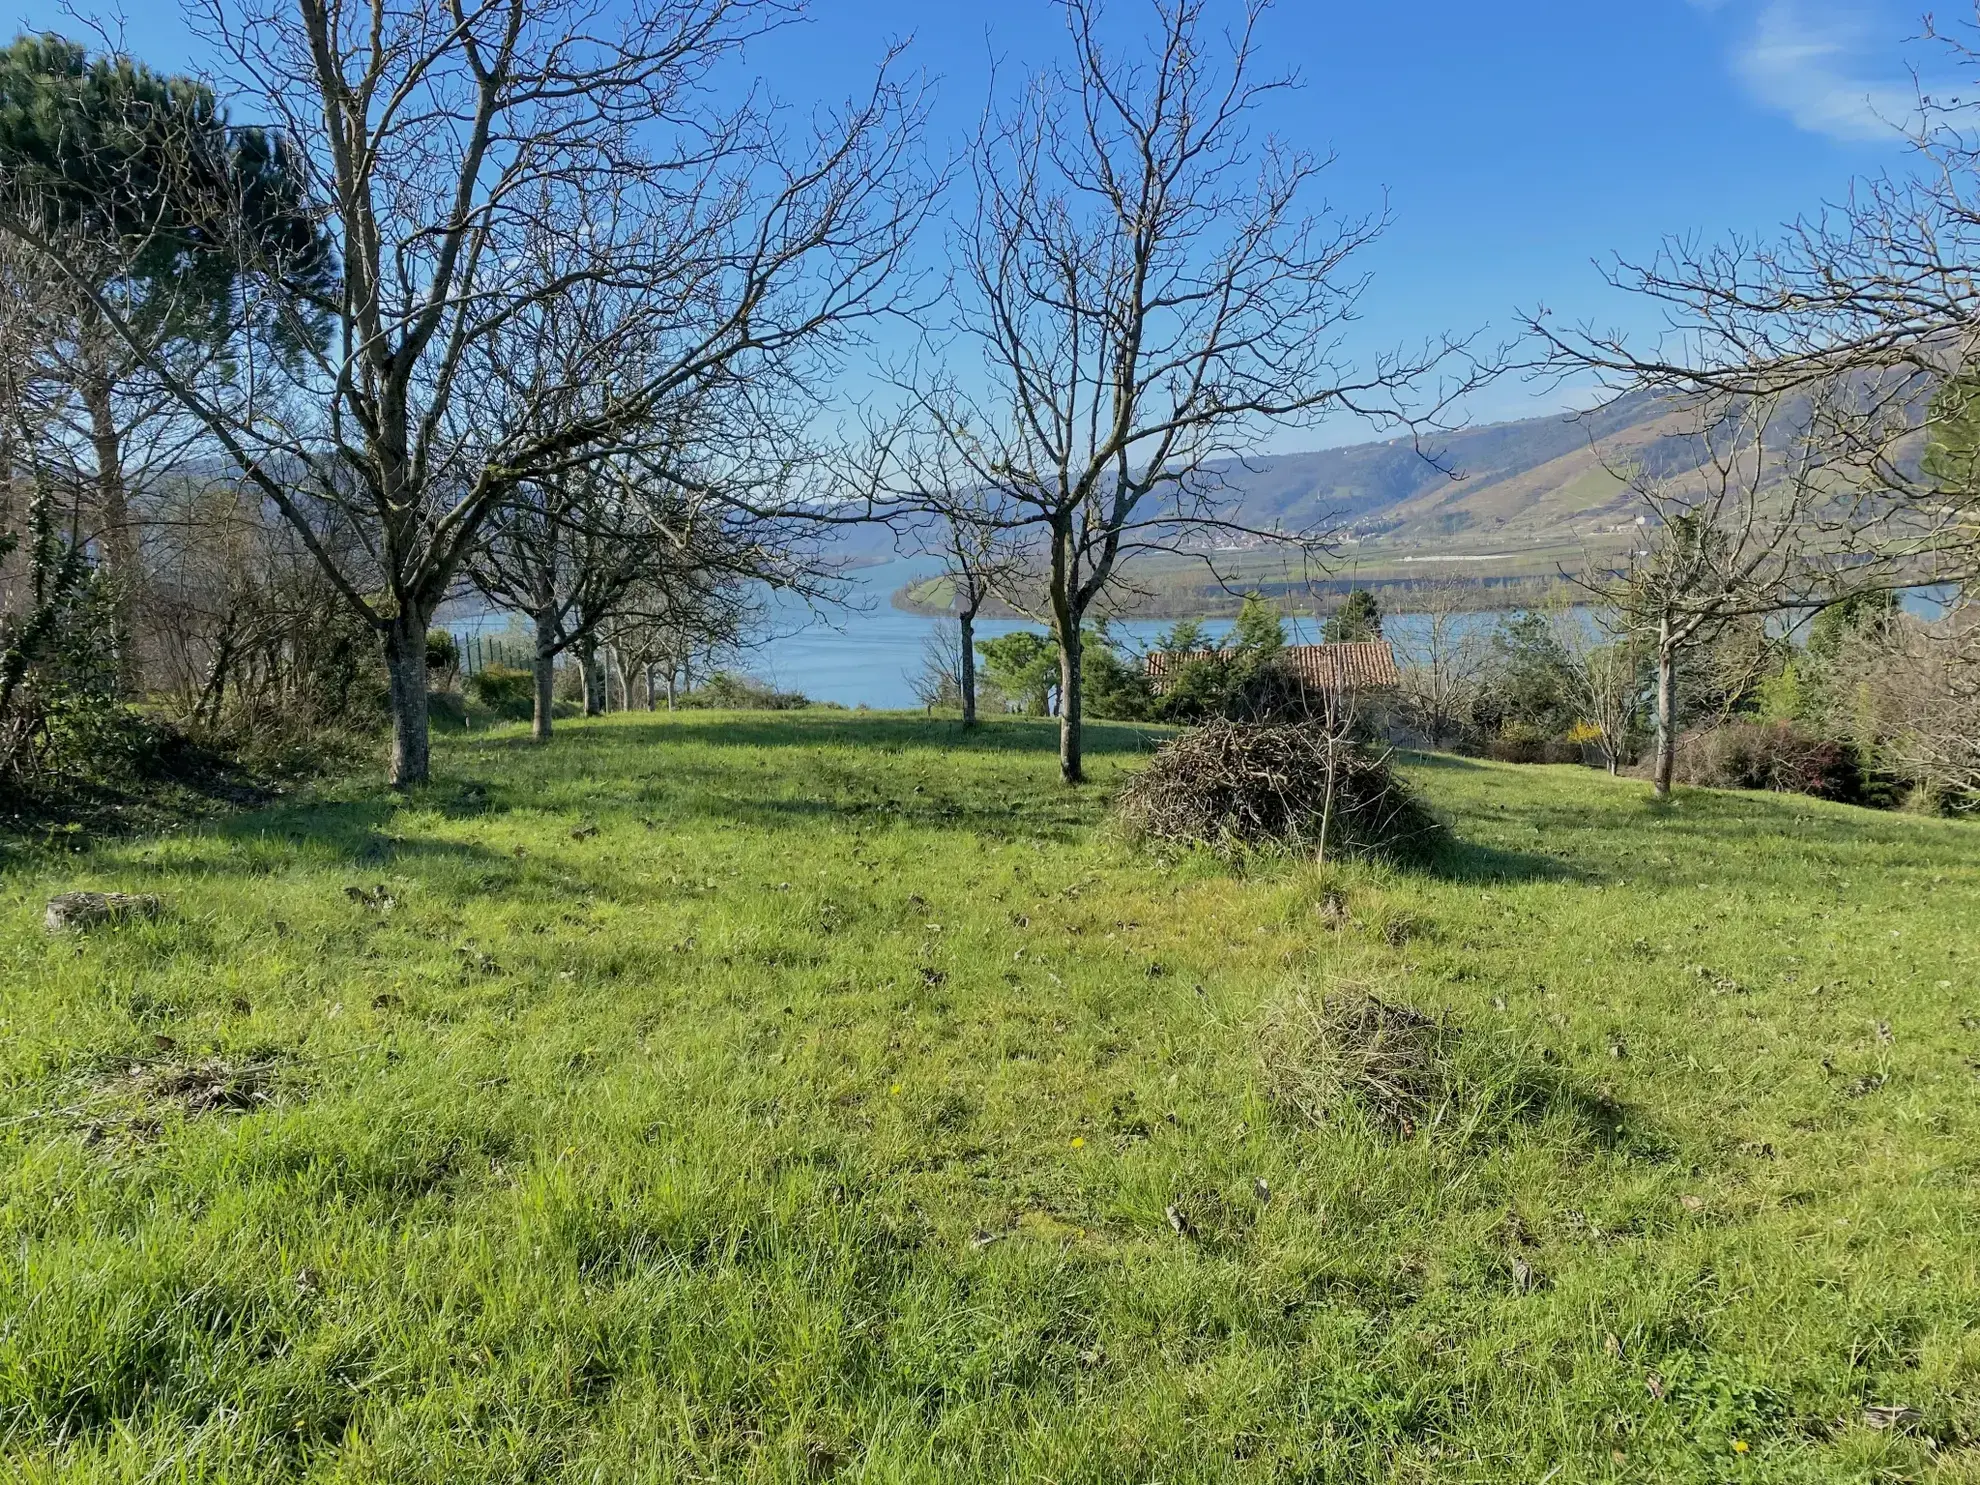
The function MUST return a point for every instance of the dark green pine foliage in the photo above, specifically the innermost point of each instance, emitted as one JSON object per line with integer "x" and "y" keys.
{"x": 153, "y": 194}
{"x": 1259, "y": 632}
{"x": 1113, "y": 686}
{"x": 1952, "y": 448}
{"x": 1023, "y": 665}
{"x": 1529, "y": 690}
{"x": 1358, "y": 620}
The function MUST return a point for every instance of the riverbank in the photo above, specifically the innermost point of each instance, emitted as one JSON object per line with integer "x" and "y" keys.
{"x": 932, "y": 597}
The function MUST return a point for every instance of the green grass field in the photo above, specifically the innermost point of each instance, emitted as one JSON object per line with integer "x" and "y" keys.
{"x": 784, "y": 1098}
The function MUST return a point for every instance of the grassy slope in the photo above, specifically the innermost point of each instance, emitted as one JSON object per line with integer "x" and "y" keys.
{"x": 674, "y": 1154}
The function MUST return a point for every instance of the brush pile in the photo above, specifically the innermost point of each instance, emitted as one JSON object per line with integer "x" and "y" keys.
{"x": 1235, "y": 786}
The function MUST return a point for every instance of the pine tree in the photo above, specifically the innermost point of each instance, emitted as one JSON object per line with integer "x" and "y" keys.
{"x": 1358, "y": 619}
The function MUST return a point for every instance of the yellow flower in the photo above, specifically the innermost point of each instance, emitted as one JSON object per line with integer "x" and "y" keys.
{"x": 895, "y": 1090}
{"x": 1078, "y": 1142}
{"x": 1739, "y": 1446}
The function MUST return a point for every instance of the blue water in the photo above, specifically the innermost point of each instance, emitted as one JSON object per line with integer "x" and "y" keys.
{"x": 865, "y": 652}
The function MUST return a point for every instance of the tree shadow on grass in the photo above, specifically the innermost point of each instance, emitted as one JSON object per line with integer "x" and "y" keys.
{"x": 350, "y": 832}
{"x": 708, "y": 788}
{"x": 1448, "y": 762}
{"x": 985, "y": 823}
{"x": 1734, "y": 838}
{"x": 1459, "y": 860}
{"x": 883, "y": 733}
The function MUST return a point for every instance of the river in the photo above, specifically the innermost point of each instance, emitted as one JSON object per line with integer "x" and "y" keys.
{"x": 865, "y": 652}
{"x": 868, "y": 652}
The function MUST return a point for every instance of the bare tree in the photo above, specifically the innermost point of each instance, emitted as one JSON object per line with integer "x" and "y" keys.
{"x": 566, "y": 550}
{"x": 974, "y": 533}
{"x": 1602, "y": 662}
{"x": 476, "y": 165}
{"x": 981, "y": 563}
{"x": 666, "y": 631}
{"x": 1732, "y": 538}
{"x": 636, "y": 554}
{"x": 109, "y": 154}
{"x": 123, "y": 436}
{"x": 1864, "y": 317}
{"x": 244, "y": 628}
{"x": 1149, "y": 295}
{"x": 1443, "y": 661}
{"x": 52, "y": 634}
{"x": 939, "y": 682}
{"x": 1922, "y": 686}
{"x": 102, "y": 440}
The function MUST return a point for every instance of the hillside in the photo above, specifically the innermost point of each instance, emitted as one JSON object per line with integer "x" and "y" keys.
{"x": 1510, "y": 505}
{"x": 1537, "y": 480}
{"x": 783, "y": 1098}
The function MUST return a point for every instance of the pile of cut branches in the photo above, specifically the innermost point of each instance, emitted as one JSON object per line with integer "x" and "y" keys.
{"x": 1302, "y": 786}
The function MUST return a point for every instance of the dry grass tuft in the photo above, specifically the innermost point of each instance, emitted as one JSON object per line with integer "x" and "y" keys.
{"x": 1233, "y": 786}
{"x": 1392, "y": 1060}
{"x": 209, "y": 1087}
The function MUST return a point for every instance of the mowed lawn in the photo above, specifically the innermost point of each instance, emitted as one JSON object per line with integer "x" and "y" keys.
{"x": 806, "y": 1096}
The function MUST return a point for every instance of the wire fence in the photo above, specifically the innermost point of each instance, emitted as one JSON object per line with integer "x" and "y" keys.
{"x": 480, "y": 651}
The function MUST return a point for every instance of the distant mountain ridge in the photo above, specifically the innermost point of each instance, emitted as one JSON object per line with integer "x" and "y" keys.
{"x": 1534, "y": 486}
{"x": 1530, "y": 483}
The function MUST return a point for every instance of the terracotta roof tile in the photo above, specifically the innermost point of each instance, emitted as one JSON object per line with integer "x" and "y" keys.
{"x": 1363, "y": 666}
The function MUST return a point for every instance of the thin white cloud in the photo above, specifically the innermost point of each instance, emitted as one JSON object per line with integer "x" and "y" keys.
{"x": 1833, "y": 69}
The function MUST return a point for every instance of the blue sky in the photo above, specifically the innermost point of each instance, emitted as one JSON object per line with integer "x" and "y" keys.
{"x": 1515, "y": 141}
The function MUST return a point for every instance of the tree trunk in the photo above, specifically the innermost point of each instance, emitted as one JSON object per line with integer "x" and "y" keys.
{"x": 213, "y": 696}
{"x": 618, "y": 662}
{"x": 546, "y": 674}
{"x": 1666, "y": 709}
{"x": 968, "y": 677}
{"x": 1066, "y": 614}
{"x": 114, "y": 511}
{"x": 405, "y": 667}
{"x": 594, "y": 690}
{"x": 1331, "y": 791}
{"x": 1070, "y": 739}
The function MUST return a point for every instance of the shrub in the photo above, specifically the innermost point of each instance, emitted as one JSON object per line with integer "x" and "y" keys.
{"x": 443, "y": 652}
{"x": 503, "y": 690}
{"x": 1771, "y": 755}
{"x": 1522, "y": 744}
{"x": 1233, "y": 786}
{"x": 727, "y": 691}
{"x": 62, "y": 722}
{"x": 1248, "y": 685}
{"x": 1358, "y": 619}
{"x": 1024, "y": 665}
{"x": 1198, "y": 690}
{"x": 446, "y": 711}
{"x": 1111, "y": 686}
{"x": 1527, "y": 681}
